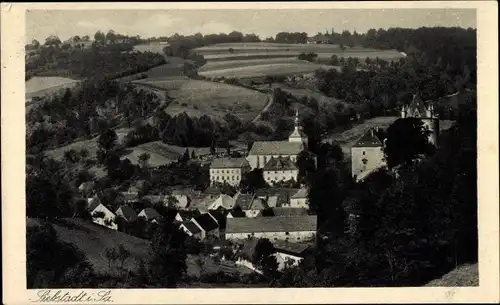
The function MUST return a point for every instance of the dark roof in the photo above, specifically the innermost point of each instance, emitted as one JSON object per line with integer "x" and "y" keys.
{"x": 283, "y": 194}
{"x": 369, "y": 139}
{"x": 93, "y": 205}
{"x": 302, "y": 193}
{"x": 272, "y": 224}
{"x": 280, "y": 164}
{"x": 276, "y": 148}
{"x": 289, "y": 211}
{"x": 207, "y": 222}
{"x": 127, "y": 212}
{"x": 237, "y": 213}
{"x": 191, "y": 227}
{"x": 151, "y": 213}
{"x": 258, "y": 204}
{"x": 212, "y": 191}
{"x": 229, "y": 163}
{"x": 291, "y": 248}
{"x": 243, "y": 200}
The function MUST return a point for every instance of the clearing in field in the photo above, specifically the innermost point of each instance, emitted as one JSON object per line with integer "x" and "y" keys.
{"x": 197, "y": 97}
{"x": 218, "y": 65}
{"x": 42, "y": 85}
{"x": 153, "y": 47}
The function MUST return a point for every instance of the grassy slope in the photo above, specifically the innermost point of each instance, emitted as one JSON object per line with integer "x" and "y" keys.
{"x": 465, "y": 275}
{"x": 93, "y": 239}
{"x": 41, "y": 85}
{"x": 214, "y": 99}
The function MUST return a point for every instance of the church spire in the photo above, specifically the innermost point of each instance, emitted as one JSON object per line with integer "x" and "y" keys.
{"x": 298, "y": 135}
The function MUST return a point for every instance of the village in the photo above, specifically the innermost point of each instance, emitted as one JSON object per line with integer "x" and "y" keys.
{"x": 276, "y": 213}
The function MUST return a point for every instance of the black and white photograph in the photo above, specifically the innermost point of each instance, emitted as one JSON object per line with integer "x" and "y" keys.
{"x": 251, "y": 148}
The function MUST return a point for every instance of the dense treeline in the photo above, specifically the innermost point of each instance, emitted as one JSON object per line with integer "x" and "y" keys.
{"x": 109, "y": 61}
{"x": 89, "y": 108}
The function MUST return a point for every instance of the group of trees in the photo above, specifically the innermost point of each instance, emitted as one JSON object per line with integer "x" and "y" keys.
{"x": 295, "y": 37}
{"x": 89, "y": 108}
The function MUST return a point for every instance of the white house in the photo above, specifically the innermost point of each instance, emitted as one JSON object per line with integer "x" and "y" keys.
{"x": 228, "y": 170}
{"x": 101, "y": 215}
{"x": 300, "y": 199}
{"x": 280, "y": 169}
{"x": 223, "y": 201}
{"x": 150, "y": 214}
{"x": 184, "y": 197}
{"x": 290, "y": 254}
{"x": 367, "y": 154}
{"x": 291, "y": 228}
{"x": 251, "y": 205}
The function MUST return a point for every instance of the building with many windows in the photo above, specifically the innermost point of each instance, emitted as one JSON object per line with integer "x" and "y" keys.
{"x": 228, "y": 170}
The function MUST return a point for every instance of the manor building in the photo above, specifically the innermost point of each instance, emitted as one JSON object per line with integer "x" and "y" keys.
{"x": 425, "y": 112}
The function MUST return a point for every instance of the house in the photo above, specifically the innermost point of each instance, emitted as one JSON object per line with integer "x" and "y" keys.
{"x": 262, "y": 151}
{"x": 320, "y": 39}
{"x": 207, "y": 224}
{"x": 183, "y": 216}
{"x": 228, "y": 170}
{"x": 126, "y": 213}
{"x": 150, "y": 214}
{"x": 251, "y": 205}
{"x": 425, "y": 112}
{"x": 211, "y": 192}
{"x": 291, "y": 228}
{"x": 290, "y": 254}
{"x": 282, "y": 195}
{"x": 236, "y": 213}
{"x": 223, "y": 201}
{"x": 184, "y": 197}
{"x": 191, "y": 229}
{"x": 367, "y": 155}
{"x": 101, "y": 215}
{"x": 280, "y": 169}
{"x": 300, "y": 199}
{"x": 201, "y": 204}
{"x": 286, "y": 211}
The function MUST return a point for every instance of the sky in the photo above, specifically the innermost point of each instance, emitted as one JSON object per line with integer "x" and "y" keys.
{"x": 148, "y": 23}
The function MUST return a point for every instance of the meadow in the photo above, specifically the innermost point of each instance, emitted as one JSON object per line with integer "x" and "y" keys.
{"x": 152, "y": 47}
{"x": 197, "y": 97}
{"x": 46, "y": 85}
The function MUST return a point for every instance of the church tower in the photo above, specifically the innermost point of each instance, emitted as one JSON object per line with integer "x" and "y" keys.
{"x": 298, "y": 134}
{"x": 419, "y": 110}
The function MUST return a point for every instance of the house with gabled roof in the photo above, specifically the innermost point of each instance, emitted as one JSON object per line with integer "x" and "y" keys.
{"x": 300, "y": 199}
{"x": 86, "y": 188}
{"x": 367, "y": 154}
{"x": 184, "y": 197}
{"x": 150, "y": 214}
{"x": 127, "y": 213}
{"x": 207, "y": 224}
{"x": 290, "y": 254}
{"x": 276, "y": 196}
{"x": 425, "y": 112}
{"x": 280, "y": 169}
{"x": 129, "y": 197}
{"x": 289, "y": 228}
{"x": 101, "y": 215}
{"x": 191, "y": 229}
{"x": 228, "y": 170}
{"x": 250, "y": 204}
{"x": 224, "y": 201}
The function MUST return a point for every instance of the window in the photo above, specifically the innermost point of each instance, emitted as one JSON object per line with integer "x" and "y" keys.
{"x": 287, "y": 233}
{"x": 363, "y": 153}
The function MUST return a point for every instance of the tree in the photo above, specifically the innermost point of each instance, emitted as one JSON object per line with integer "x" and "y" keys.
{"x": 193, "y": 155}
{"x": 252, "y": 181}
{"x": 168, "y": 262}
{"x": 52, "y": 40}
{"x": 35, "y": 44}
{"x": 212, "y": 148}
{"x": 143, "y": 160}
{"x": 263, "y": 257}
{"x": 107, "y": 139}
{"x": 85, "y": 38}
{"x": 111, "y": 255}
{"x": 307, "y": 166}
{"x": 123, "y": 255}
{"x": 99, "y": 36}
{"x": 406, "y": 139}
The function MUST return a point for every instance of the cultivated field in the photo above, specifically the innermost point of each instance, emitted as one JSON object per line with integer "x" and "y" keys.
{"x": 44, "y": 85}
{"x": 232, "y": 51}
{"x": 197, "y": 97}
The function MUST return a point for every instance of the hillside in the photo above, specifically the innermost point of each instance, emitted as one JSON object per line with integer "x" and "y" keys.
{"x": 93, "y": 239}
{"x": 465, "y": 275}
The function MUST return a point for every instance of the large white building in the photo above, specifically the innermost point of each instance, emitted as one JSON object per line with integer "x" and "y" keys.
{"x": 228, "y": 170}
{"x": 367, "y": 155}
{"x": 288, "y": 228}
{"x": 263, "y": 151}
